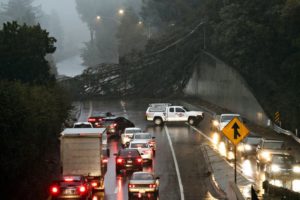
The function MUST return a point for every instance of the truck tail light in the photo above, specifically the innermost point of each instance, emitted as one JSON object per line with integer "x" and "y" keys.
{"x": 139, "y": 160}
{"x": 131, "y": 186}
{"x": 82, "y": 189}
{"x": 105, "y": 160}
{"x": 152, "y": 186}
{"x": 54, "y": 190}
{"x": 120, "y": 160}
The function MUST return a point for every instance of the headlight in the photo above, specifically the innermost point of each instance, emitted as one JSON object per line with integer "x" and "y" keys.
{"x": 230, "y": 155}
{"x": 275, "y": 168}
{"x": 266, "y": 155}
{"x": 296, "y": 169}
{"x": 215, "y": 123}
{"x": 240, "y": 148}
{"x": 216, "y": 138}
{"x": 248, "y": 147}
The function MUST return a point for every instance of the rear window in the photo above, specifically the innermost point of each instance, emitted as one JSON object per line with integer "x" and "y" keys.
{"x": 132, "y": 152}
{"x": 142, "y": 136}
{"x": 82, "y": 126}
{"x": 139, "y": 145}
{"x": 133, "y": 131}
{"x": 142, "y": 176}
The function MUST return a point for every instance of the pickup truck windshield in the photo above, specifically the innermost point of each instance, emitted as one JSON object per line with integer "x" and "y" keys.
{"x": 229, "y": 118}
{"x": 273, "y": 145}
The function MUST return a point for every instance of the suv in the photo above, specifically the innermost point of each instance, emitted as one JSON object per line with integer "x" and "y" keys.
{"x": 266, "y": 148}
{"x": 116, "y": 125}
{"x": 281, "y": 166}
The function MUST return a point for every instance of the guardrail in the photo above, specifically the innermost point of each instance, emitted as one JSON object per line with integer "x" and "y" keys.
{"x": 278, "y": 129}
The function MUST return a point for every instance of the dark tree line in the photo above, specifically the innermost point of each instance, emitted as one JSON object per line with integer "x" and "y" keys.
{"x": 32, "y": 110}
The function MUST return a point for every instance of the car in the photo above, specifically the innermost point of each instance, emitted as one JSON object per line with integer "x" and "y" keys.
{"x": 282, "y": 166}
{"x": 249, "y": 145}
{"x": 128, "y": 134}
{"x": 71, "y": 187}
{"x": 266, "y": 148}
{"x": 128, "y": 160}
{"x": 96, "y": 120}
{"x": 144, "y": 149}
{"x": 146, "y": 136}
{"x": 116, "y": 125}
{"x": 222, "y": 120}
{"x": 143, "y": 184}
{"x": 82, "y": 125}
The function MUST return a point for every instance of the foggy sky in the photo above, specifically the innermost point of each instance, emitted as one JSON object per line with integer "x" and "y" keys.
{"x": 72, "y": 25}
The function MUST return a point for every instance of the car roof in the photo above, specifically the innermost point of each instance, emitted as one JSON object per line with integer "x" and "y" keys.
{"x": 139, "y": 141}
{"x": 272, "y": 140}
{"x": 76, "y": 123}
{"x": 133, "y": 128}
{"x": 230, "y": 114}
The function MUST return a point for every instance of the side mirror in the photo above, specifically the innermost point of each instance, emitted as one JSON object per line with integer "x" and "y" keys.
{"x": 157, "y": 177}
{"x": 142, "y": 153}
{"x": 153, "y": 137}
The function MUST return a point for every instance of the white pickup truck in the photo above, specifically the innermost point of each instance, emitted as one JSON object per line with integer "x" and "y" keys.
{"x": 165, "y": 112}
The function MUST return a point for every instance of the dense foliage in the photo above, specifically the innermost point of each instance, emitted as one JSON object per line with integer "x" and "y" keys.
{"x": 32, "y": 110}
{"x": 23, "y": 50}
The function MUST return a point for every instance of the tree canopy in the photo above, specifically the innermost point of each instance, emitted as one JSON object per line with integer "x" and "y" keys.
{"x": 22, "y": 53}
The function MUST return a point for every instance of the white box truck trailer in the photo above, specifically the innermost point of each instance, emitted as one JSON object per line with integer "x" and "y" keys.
{"x": 82, "y": 154}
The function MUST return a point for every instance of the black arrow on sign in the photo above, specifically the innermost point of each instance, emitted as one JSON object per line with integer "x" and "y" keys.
{"x": 236, "y": 133}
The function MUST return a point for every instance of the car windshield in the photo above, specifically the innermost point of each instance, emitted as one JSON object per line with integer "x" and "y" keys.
{"x": 133, "y": 131}
{"x": 139, "y": 145}
{"x": 142, "y": 136}
{"x": 283, "y": 159}
{"x": 142, "y": 176}
{"x": 228, "y": 118}
{"x": 273, "y": 145}
{"x": 253, "y": 140}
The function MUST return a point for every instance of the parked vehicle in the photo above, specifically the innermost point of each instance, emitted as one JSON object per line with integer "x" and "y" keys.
{"x": 143, "y": 184}
{"x": 128, "y": 160}
{"x": 71, "y": 187}
{"x": 128, "y": 135}
{"x": 82, "y": 154}
{"x": 168, "y": 113}
{"x": 116, "y": 125}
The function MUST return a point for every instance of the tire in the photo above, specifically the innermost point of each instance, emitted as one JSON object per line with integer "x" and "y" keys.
{"x": 158, "y": 121}
{"x": 192, "y": 120}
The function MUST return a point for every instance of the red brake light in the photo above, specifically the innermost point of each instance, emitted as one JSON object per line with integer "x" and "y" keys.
{"x": 91, "y": 120}
{"x": 152, "y": 185}
{"x": 139, "y": 160}
{"x": 68, "y": 179}
{"x": 131, "y": 185}
{"x": 54, "y": 190}
{"x": 82, "y": 189}
{"x": 105, "y": 160}
{"x": 119, "y": 160}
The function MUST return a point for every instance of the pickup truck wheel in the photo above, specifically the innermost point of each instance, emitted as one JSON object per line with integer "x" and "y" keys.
{"x": 192, "y": 120}
{"x": 158, "y": 121}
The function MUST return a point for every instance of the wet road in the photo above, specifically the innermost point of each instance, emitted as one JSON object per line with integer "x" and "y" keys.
{"x": 178, "y": 161}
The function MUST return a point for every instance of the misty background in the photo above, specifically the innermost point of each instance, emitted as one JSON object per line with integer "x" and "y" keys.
{"x": 63, "y": 21}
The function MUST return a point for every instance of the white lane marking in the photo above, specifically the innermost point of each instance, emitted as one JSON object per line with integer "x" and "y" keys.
{"x": 91, "y": 108}
{"x": 116, "y": 190}
{"x": 176, "y": 164}
{"x": 123, "y": 104}
{"x": 208, "y": 138}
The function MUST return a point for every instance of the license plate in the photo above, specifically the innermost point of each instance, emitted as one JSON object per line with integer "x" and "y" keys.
{"x": 142, "y": 191}
{"x": 69, "y": 191}
{"x": 129, "y": 161}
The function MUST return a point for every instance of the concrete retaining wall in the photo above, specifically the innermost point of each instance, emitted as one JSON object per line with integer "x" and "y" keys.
{"x": 218, "y": 83}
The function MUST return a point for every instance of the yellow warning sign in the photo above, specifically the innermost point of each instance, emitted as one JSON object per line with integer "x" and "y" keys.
{"x": 235, "y": 131}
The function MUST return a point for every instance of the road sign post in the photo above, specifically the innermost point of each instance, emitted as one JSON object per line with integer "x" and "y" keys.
{"x": 235, "y": 131}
